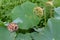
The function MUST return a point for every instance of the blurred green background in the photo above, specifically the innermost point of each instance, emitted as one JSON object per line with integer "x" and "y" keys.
{"x": 6, "y": 6}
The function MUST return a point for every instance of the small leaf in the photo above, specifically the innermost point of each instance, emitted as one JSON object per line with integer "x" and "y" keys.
{"x": 57, "y": 10}
{"x": 6, "y": 35}
{"x": 23, "y": 37}
{"x": 44, "y": 34}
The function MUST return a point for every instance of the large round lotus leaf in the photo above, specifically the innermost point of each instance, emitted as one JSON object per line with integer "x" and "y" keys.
{"x": 54, "y": 25}
{"x": 6, "y": 35}
{"x": 25, "y": 13}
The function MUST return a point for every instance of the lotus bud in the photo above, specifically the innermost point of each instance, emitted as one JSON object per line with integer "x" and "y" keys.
{"x": 49, "y": 3}
{"x": 38, "y": 11}
{"x": 12, "y": 27}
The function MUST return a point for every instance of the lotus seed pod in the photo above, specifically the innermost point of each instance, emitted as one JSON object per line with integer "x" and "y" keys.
{"x": 49, "y": 3}
{"x": 12, "y": 27}
{"x": 38, "y": 11}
